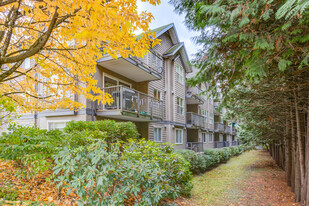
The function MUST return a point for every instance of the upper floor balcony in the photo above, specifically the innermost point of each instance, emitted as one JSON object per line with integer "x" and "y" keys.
{"x": 132, "y": 105}
{"x": 148, "y": 68}
{"x": 219, "y": 127}
{"x": 234, "y": 131}
{"x": 195, "y": 120}
{"x": 194, "y": 96}
{"x": 227, "y": 129}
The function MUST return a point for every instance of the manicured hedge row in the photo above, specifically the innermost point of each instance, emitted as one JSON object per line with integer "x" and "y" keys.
{"x": 201, "y": 162}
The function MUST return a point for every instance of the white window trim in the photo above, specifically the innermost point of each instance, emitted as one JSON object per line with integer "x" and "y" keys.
{"x": 212, "y": 134}
{"x": 205, "y": 137}
{"x": 154, "y": 133}
{"x": 183, "y": 107}
{"x": 176, "y": 136}
{"x": 114, "y": 78}
{"x": 183, "y": 76}
{"x": 56, "y": 121}
{"x": 157, "y": 90}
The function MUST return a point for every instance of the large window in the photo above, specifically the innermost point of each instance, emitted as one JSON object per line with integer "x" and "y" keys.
{"x": 179, "y": 74}
{"x": 204, "y": 137}
{"x": 204, "y": 114}
{"x": 110, "y": 81}
{"x": 179, "y": 136}
{"x": 157, "y": 94}
{"x": 157, "y": 135}
{"x": 211, "y": 118}
{"x": 180, "y": 106}
{"x": 211, "y": 138}
{"x": 57, "y": 125}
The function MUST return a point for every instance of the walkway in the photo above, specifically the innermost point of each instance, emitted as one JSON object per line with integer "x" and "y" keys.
{"x": 249, "y": 179}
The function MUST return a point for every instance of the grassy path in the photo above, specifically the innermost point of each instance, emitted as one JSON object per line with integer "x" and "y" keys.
{"x": 249, "y": 179}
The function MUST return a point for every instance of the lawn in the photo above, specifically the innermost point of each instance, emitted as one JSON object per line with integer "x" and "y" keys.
{"x": 249, "y": 179}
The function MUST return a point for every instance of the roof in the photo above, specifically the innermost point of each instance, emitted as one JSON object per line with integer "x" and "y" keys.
{"x": 173, "y": 50}
{"x": 177, "y": 47}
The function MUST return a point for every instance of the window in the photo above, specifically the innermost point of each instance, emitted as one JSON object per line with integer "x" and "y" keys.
{"x": 56, "y": 125}
{"x": 179, "y": 136}
{"x": 204, "y": 138}
{"x": 211, "y": 138}
{"x": 157, "y": 135}
{"x": 179, "y": 74}
{"x": 211, "y": 118}
{"x": 204, "y": 114}
{"x": 157, "y": 94}
{"x": 179, "y": 105}
{"x": 111, "y": 81}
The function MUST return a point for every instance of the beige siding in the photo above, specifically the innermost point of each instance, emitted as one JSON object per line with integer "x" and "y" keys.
{"x": 179, "y": 91}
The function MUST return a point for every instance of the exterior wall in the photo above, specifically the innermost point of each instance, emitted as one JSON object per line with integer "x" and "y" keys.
{"x": 43, "y": 121}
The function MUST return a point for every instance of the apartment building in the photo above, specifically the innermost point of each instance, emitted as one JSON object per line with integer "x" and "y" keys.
{"x": 225, "y": 133}
{"x": 149, "y": 91}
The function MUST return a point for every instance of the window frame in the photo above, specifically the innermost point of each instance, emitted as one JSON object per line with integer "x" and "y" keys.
{"x": 212, "y": 137}
{"x": 180, "y": 107}
{"x": 56, "y": 121}
{"x": 114, "y": 78}
{"x": 204, "y": 114}
{"x": 180, "y": 77}
{"x": 204, "y": 137}
{"x": 181, "y": 131}
{"x": 211, "y": 118}
{"x": 157, "y": 92}
{"x": 154, "y": 129}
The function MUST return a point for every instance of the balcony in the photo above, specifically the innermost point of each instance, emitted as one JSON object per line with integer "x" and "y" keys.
{"x": 227, "y": 129}
{"x": 195, "y": 146}
{"x": 218, "y": 144}
{"x": 131, "y": 105}
{"x": 234, "y": 131}
{"x": 193, "y": 96}
{"x": 195, "y": 120}
{"x": 137, "y": 69}
{"x": 219, "y": 127}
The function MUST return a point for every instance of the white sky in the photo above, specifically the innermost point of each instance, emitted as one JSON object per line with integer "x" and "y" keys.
{"x": 164, "y": 14}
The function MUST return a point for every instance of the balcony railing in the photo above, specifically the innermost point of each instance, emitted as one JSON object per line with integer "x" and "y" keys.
{"x": 218, "y": 144}
{"x": 219, "y": 127}
{"x": 234, "y": 143}
{"x": 151, "y": 61}
{"x": 195, "y": 146}
{"x": 130, "y": 100}
{"x": 195, "y": 120}
{"x": 194, "y": 93}
{"x": 234, "y": 131}
{"x": 227, "y": 129}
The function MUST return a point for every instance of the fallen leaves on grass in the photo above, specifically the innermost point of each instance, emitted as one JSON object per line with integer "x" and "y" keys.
{"x": 34, "y": 189}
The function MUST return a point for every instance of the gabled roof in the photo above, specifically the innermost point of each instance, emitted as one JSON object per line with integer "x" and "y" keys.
{"x": 173, "y": 50}
{"x": 177, "y": 47}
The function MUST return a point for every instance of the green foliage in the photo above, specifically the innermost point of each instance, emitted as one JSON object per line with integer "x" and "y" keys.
{"x": 143, "y": 170}
{"x": 114, "y": 130}
{"x": 201, "y": 162}
{"x": 32, "y": 148}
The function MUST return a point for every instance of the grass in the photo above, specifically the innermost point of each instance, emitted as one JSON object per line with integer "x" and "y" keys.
{"x": 219, "y": 186}
{"x": 252, "y": 178}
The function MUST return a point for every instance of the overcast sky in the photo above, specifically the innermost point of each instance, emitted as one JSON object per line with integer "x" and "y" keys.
{"x": 164, "y": 14}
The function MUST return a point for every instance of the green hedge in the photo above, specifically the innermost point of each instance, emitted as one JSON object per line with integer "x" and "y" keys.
{"x": 114, "y": 130}
{"x": 143, "y": 171}
{"x": 201, "y": 162}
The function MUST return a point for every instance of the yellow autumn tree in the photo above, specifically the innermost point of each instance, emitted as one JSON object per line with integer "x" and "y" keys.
{"x": 63, "y": 39}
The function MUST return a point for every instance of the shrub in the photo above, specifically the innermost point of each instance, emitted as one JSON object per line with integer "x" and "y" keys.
{"x": 214, "y": 154}
{"x": 114, "y": 130}
{"x": 143, "y": 172}
{"x": 32, "y": 148}
{"x": 192, "y": 158}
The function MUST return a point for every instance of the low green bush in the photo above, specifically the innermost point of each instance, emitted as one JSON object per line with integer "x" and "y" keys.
{"x": 113, "y": 130}
{"x": 143, "y": 171}
{"x": 201, "y": 162}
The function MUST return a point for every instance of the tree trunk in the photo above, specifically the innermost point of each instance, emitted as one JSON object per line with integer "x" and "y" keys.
{"x": 287, "y": 151}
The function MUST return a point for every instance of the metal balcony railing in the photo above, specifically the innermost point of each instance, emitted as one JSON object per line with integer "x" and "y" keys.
{"x": 195, "y": 120}
{"x": 218, "y": 144}
{"x": 195, "y": 146}
{"x": 151, "y": 61}
{"x": 130, "y": 100}
{"x": 234, "y": 143}
{"x": 227, "y": 129}
{"x": 219, "y": 127}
